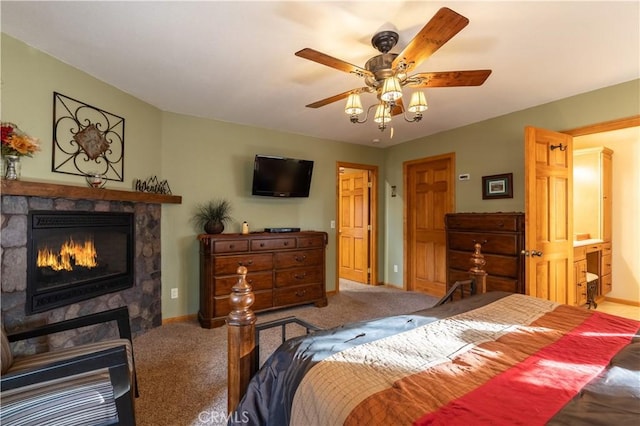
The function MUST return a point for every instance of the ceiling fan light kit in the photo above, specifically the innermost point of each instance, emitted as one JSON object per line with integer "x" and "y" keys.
{"x": 354, "y": 105}
{"x": 387, "y": 73}
{"x": 391, "y": 89}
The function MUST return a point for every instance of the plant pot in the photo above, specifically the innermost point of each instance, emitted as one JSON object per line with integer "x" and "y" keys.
{"x": 213, "y": 227}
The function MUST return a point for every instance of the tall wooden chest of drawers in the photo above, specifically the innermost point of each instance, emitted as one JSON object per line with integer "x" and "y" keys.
{"x": 284, "y": 269}
{"x": 502, "y": 239}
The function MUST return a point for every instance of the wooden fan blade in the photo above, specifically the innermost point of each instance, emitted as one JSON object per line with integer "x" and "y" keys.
{"x": 338, "y": 97}
{"x": 398, "y": 108}
{"x": 330, "y": 61}
{"x": 451, "y": 78}
{"x": 445, "y": 24}
{"x": 330, "y": 100}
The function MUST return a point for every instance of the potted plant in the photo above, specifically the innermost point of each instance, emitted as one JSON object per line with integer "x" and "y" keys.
{"x": 212, "y": 215}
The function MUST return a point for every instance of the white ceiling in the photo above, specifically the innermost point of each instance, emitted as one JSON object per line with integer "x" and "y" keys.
{"x": 234, "y": 61}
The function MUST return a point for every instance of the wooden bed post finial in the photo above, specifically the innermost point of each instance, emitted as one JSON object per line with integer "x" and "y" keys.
{"x": 241, "y": 339}
{"x": 241, "y": 299}
{"x": 478, "y": 274}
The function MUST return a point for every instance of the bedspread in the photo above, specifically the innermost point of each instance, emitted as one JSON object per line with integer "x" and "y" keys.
{"x": 497, "y": 358}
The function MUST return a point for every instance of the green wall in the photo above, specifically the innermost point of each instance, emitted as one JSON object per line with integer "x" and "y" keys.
{"x": 205, "y": 159}
{"x": 29, "y": 78}
{"x": 495, "y": 146}
{"x": 200, "y": 158}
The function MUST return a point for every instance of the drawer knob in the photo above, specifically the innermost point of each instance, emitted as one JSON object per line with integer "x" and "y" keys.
{"x": 301, "y": 276}
{"x": 286, "y": 243}
{"x": 231, "y": 246}
{"x": 247, "y": 263}
{"x": 301, "y": 293}
{"x": 301, "y": 258}
{"x": 261, "y": 244}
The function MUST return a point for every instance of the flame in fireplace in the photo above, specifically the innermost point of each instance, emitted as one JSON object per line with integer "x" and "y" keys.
{"x": 71, "y": 254}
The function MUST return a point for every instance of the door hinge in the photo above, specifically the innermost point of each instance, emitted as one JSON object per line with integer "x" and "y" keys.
{"x": 368, "y": 227}
{"x": 369, "y": 184}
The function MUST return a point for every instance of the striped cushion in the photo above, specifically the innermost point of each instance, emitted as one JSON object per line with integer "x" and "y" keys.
{"x": 29, "y": 362}
{"x": 7, "y": 356}
{"x": 85, "y": 399}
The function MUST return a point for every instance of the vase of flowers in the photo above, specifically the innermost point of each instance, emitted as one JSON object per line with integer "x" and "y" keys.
{"x": 15, "y": 145}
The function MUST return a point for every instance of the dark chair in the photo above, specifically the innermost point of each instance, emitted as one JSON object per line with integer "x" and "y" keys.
{"x": 93, "y": 383}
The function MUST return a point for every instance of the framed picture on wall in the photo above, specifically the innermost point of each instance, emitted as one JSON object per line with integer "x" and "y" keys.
{"x": 497, "y": 186}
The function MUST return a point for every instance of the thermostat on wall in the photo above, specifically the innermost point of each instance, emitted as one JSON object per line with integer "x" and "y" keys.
{"x": 465, "y": 176}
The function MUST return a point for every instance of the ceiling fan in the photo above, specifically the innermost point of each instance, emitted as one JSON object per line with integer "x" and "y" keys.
{"x": 386, "y": 73}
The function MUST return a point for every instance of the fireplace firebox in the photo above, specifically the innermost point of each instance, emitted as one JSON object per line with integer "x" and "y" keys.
{"x": 73, "y": 256}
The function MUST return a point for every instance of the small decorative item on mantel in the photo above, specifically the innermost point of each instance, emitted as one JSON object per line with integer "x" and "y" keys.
{"x": 15, "y": 145}
{"x": 96, "y": 180}
{"x": 212, "y": 216}
{"x": 152, "y": 185}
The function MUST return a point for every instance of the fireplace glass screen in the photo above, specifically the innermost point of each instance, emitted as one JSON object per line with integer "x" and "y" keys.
{"x": 75, "y": 256}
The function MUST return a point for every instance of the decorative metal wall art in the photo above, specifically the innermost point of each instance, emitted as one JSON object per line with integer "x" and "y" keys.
{"x": 86, "y": 140}
{"x": 153, "y": 185}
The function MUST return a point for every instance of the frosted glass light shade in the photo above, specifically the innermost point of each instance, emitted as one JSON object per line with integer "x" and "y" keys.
{"x": 382, "y": 114}
{"x": 418, "y": 102}
{"x": 391, "y": 90}
{"x": 354, "y": 105}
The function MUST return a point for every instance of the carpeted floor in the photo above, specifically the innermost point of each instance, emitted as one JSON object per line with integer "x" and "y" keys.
{"x": 182, "y": 368}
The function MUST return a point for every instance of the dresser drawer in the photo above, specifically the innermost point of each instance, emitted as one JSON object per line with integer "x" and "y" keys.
{"x": 606, "y": 264}
{"x": 495, "y": 243}
{"x": 506, "y": 266}
{"x": 484, "y": 222}
{"x": 257, "y": 281}
{"x": 311, "y": 242}
{"x": 225, "y": 265}
{"x": 298, "y": 294}
{"x": 293, "y": 277}
{"x": 290, "y": 259}
{"x": 494, "y": 283}
{"x": 263, "y": 300}
{"x": 606, "y": 284}
{"x": 229, "y": 246}
{"x": 580, "y": 271}
{"x": 591, "y": 248}
{"x": 579, "y": 253}
{"x": 273, "y": 244}
{"x": 581, "y": 293}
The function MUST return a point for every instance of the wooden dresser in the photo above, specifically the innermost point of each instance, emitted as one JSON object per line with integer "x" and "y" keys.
{"x": 502, "y": 239}
{"x": 284, "y": 269}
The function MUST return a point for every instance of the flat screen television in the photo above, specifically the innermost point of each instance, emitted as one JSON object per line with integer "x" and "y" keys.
{"x": 281, "y": 177}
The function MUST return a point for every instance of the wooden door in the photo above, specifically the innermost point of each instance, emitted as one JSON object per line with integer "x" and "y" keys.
{"x": 354, "y": 226}
{"x": 549, "y": 215}
{"x": 429, "y": 195}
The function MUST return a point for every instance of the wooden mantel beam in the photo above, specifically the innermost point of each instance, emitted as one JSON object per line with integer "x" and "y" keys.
{"x": 56, "y": 190}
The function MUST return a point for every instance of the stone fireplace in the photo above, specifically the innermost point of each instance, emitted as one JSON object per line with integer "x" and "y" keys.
{"x": 141, "y": 292}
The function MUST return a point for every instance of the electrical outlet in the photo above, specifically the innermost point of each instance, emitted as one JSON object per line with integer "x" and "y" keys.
{"x": 333, "y": 224}
{"x": 395, "y": 268}
{"x": 174, "y": 293}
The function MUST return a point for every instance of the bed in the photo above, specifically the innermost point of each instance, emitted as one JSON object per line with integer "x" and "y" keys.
{"x": 492, "y": 358}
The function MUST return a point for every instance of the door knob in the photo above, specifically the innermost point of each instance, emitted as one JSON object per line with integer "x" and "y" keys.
{"x": 536, "y": 253}
{"x": 525, "y": 253}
